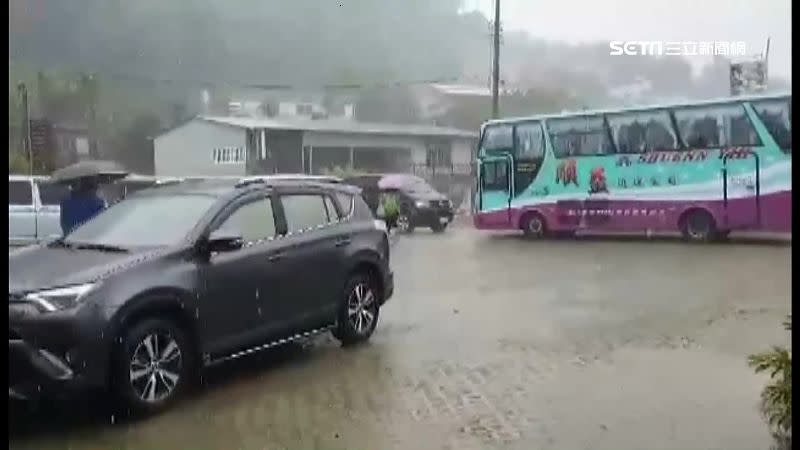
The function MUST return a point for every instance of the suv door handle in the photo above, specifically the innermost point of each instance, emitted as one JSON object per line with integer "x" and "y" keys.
{"x": 343, "y": 242}
{"x": 275, "y": 257}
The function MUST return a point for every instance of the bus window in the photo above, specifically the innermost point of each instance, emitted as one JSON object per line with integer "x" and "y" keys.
{"x": 497, "y": 138}
{"x": 494, "y": 176}
{"x": 640, "y": 132}
{"x": 579, "y": 136}
{"x": 716, "y": 126}
{"x": 776, "y": 116}
{"x": 530, "y": 141}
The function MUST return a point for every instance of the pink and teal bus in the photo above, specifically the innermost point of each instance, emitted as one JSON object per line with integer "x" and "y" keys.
{"x": 703, "y": 168}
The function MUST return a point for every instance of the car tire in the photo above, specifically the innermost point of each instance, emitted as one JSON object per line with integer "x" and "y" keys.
{"x": 438, "y": 227}
{"x": 358, "y": 311}
{"x": 698, "y": 226}
{"x": 153, "y": 366}
{"x": 404, "y": 224}
{"x": 534, "y": 226}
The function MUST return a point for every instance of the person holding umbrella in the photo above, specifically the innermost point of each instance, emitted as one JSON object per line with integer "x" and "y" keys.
{"x": 84, "y": 202}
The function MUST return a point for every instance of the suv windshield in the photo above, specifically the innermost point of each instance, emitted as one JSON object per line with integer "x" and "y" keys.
{"x": 150, "y": 221}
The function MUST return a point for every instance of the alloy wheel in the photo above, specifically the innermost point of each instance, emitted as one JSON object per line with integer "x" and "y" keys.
{"x": 361, "y": 308}
{"x": 155, "y": 367}
{"x": 403, "y": 223}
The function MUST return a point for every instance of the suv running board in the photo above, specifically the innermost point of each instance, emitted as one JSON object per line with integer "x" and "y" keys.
{"x": 209, "y": 362}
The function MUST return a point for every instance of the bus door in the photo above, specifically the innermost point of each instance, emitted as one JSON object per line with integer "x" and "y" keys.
{"x": 741, "y": 189}
{"x": 495, "y": 189}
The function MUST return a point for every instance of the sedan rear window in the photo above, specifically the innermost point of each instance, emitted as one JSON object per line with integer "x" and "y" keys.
{"x": 20, "y": 193}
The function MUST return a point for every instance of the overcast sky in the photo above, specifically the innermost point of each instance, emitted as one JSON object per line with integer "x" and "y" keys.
{"x": 751, "y": 21}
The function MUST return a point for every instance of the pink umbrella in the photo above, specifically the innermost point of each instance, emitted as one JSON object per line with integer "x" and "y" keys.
{"x": 397, "y": 181}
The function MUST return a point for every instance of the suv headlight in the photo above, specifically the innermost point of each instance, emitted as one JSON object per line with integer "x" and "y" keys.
{"x": 60, "y": 298}
{"x": 421, "y": 204}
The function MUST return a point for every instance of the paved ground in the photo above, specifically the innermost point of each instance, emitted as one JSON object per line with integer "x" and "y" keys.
{"x": 496, "y": 342}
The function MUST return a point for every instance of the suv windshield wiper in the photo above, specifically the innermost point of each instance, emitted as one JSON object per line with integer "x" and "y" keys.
{"x": 99, "y": 247}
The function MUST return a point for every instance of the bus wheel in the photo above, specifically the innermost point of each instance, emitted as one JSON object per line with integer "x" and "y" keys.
{"x": 698, "y": 226}
{"x": 533, "y": 225}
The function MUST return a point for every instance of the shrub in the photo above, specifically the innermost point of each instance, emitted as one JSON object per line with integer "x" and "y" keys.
{"x": 776, "y": 398}
{"x": 18, "y": 163}
{"x": 341, "y": 172}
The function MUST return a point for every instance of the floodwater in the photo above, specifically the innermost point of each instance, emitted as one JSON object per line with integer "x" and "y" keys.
{"x": 494, "y": 342}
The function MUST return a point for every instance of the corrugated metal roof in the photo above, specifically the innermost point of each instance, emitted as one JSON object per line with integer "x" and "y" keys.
{"x": 341, "y": 126}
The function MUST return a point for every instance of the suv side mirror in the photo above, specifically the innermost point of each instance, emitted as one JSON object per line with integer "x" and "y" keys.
{"x": 224, "y": 241}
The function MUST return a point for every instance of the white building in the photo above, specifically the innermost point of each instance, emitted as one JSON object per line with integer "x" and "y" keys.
{"x": 234, "y": 146}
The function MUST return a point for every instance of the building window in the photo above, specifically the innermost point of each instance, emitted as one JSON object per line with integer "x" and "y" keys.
{"x": 438, "y": 156}
{"x": 228, "y": 155}
{"x": 304, "y": 109}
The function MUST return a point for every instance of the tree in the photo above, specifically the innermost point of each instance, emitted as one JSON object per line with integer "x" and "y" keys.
{"x": 133, "y": 148}
{"x": 394, "y": 105}
{"x": 776, "y": 398}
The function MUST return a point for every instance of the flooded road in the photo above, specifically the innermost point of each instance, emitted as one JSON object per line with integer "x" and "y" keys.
{"x": 497, "y": 342}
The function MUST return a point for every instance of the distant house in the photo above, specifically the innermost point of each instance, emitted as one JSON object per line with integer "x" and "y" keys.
{"x": 435, "y": 100}
{"x": 61, "y": 143}
{"x": 238, "y": 146}
{"x": 290, "y": 104}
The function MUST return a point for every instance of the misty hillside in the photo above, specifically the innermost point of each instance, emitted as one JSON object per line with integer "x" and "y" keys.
{"x": 313, "y": 42}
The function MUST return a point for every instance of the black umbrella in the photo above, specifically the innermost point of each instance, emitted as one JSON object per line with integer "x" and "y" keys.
{"x": 101, "y": 171}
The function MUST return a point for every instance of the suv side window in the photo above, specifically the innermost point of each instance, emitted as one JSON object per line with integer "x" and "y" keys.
{"x": 20, "y": 193}
{"x": 345, "y": 203}
{"x": 254, "y": 221}
{"x": 333, "y": 213}
{"x": 304, "y": 211}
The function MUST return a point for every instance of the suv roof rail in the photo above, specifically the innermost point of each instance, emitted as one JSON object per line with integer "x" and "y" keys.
{"x": 251, "y": 180}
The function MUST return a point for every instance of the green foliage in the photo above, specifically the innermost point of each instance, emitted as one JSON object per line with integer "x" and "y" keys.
{"x": 341, "y": 172}
{"x": 776, "y": 398}
{"x": 18, "y": 163}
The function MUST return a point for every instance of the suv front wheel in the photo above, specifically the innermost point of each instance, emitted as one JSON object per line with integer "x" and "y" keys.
{"x": 153, "y": 366}
{"x": 358, "y": 311}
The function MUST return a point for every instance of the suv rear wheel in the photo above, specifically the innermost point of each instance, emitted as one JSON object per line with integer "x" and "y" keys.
{"x": 153, "y": 366}
{"x": 358, "y": 311}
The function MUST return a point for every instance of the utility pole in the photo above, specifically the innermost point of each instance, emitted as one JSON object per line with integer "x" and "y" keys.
{"x": 26, "y": 139}
{"x": 496, "y": 62}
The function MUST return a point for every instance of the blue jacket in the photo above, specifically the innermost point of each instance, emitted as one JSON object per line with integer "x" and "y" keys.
{"x": 78, "y": 208}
